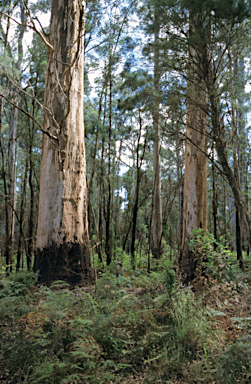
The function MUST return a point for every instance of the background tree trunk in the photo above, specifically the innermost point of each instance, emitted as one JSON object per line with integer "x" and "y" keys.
{"x": 12, "y": 184}
{"x": 157, "y": 204}
{"x": 21, "y": 218}
{"x": 214, "y": 201}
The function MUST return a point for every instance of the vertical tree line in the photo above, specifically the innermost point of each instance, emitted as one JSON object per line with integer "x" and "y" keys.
{"x": 160, "y": 87}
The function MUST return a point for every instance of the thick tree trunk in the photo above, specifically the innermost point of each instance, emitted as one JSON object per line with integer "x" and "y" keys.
{"x": 195, "y": 179}
{"x": 62, "y": 249}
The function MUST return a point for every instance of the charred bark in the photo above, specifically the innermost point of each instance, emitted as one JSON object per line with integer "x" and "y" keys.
{"x": 67, "y": 262}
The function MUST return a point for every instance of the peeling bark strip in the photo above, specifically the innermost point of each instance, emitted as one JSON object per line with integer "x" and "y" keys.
{"x": 62, "y": 249}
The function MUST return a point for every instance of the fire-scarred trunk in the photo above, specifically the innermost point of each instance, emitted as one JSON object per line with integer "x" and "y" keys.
{"x": 62, "y": 249}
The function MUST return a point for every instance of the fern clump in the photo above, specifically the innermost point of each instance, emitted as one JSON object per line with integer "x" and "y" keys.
{"x": 138, "y": 325}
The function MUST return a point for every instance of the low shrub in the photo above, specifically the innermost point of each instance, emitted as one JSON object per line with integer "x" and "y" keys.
{"x": 235, "y": 363}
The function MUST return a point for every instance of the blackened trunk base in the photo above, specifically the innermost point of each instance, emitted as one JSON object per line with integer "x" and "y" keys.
{"x": 69, "y": 262}
{"x": 187, "y": 266}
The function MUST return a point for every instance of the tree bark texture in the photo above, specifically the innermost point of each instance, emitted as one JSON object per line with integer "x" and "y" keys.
{"x": 62, "y": 249}
{"x": 195, "y": 179}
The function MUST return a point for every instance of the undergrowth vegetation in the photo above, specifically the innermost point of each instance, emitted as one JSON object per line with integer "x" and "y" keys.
{"x": 139, "y": 327}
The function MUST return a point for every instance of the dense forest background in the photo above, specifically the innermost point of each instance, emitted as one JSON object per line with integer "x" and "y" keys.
{"x": 136, "y": 76}
{"x": 167, "y": 122}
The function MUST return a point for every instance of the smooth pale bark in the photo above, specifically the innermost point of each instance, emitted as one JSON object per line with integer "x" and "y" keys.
{"x": 62, "y": 249}
{"x": 157, "y": 204}
{"x": 195, "y": 179}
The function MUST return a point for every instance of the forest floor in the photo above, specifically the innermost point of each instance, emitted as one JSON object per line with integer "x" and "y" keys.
{"x": 137, "y": 328}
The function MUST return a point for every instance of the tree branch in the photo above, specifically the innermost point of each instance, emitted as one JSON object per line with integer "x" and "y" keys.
{"x": 31, "y": 26}
{"x": 32, "y": 118}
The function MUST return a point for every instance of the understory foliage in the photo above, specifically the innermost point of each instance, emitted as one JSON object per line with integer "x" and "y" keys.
{"x": 140, "y": 327}
{"x": 212, "y": 258}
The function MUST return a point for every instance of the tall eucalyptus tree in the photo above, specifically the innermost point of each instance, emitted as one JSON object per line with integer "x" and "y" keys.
{"x": 195, "y": 179}
{"x": 62, "y": 249}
